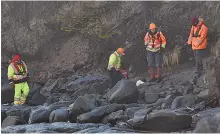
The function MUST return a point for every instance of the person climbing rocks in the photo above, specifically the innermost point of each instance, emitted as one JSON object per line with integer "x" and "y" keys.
{"x": 18, "y": 77}
{"x": 114, "y": 67}
{"x": 155, "y": 43}
{"x": 198, "y": 41}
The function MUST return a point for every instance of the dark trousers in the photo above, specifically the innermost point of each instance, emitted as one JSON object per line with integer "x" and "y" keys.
{"x": 114, "y": 77}
{"x": 199, "y": 56}
{"x": 154, "y": 59}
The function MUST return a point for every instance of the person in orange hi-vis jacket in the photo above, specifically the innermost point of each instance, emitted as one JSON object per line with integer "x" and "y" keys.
{"x": 198, "y": 40}
{"x": 155, "y": 43}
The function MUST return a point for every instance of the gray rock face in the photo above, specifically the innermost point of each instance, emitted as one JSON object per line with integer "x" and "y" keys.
{"x": 59, "y": 115}
{"x": 182, "y": 101}
{"x": 97, "y": 114}
{"x": 167, "y": 101}
{"x": 49, "y": 87}
{"x": 150, "y": 97}
{"x": 206, "y": 113}
{"x": 208, "y": 125}
{"x": 203, "y": 94}
{"x": 131, "y": 111}
{"x": 124, "y": 91}
{"x": 12, "y": 120}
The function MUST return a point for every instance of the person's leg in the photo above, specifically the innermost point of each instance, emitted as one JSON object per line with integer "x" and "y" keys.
{"x": 111, "y": 78}
{"x": 25, "y": 90}
{"x": 151, "y": 64}
{"x": 17, "y": 94}
{"x": 159, "y": 62}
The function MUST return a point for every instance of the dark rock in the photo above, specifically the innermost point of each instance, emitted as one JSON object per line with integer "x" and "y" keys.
{"x": 182, "y": 101}
{"x": 59, "y": 115}
{"x": 97, "y": 114}
{"x": 208, "y": 125}
{"x": 163, "y": 121}
{"x": 82, "y": 105}
{"x": 203, "y": 94}
{"x": 150, "y": 97}
{"x": 3, "y": 115}
{"x": 36, "y": 99}
{"x": 49, "y": 87}
{"x": 131, "y": 111}
{"x": 157, "y": 88}
{"x": 81, "y": 91}
{"x": 12, "y": 120}
{"x": 114, "y": 117}
{"x": 124, "y": 91}
{"x": 197, "y": 90}
{"x": 7, "y": 94}
{"x": 140, "y": 116}
{"x": 98, "y": 88}
{"x": 142, "y": 91}
{"x": 162, "y": 94}
{"x": 51, "y": 99}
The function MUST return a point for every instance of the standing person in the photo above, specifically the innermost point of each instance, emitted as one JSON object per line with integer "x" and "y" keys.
{"x": 155, "y": 42}
{"x": 198, "y": 40}
{"x": 114, "y": 67}
{"x": 18, "y": 76}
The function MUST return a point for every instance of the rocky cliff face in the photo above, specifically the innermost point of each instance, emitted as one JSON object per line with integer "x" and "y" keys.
{"x": 80, "y": 36}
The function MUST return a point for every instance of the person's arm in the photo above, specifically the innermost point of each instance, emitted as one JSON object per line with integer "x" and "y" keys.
{"x": 146, "y": 39}
{"x": 203, "y": 35}
{"x": 10, "y": 76}
{"x": 163, "y": 40}
{"x": 189, "y": 42}
{"x": 111, "y": 62}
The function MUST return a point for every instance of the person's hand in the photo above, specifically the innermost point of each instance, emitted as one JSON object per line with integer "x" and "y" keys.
{"x": 162, "y": 49}
{"x": 12, "y": 85}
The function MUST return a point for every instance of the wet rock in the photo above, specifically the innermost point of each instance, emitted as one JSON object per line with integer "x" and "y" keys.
{"x": 58, "y": 127}
{"x": 182, "y": 101}
{"x": 49, "y": 87}
{"x": 131, "y": 111}
{"x": 12, "y": 120}
{"x": 124, "y": 91}
{"x": 163, "y": 121}
{"x": 59, "y": 115}
{"x": 7, "y": 94}
{"x": 97, "y": 114}
{"x": 150, "y": 97}
{"x": 203, "y": 94}
{"x": 82, "y": 105}
{"x": 114, "y": 117}
{"x": 208, "y": 125}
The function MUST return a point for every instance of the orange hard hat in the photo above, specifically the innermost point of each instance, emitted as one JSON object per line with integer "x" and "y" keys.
{"x": 152, "y": 26}
{"x": 121, "y": 51}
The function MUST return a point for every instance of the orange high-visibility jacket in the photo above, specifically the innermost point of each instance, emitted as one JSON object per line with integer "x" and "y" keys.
{"x": 198, "y": 36}
{"x": 155, "y": 42}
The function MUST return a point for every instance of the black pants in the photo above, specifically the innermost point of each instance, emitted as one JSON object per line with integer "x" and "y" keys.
{"x": 114, "y": 77}
{"x": 199, "y": 56}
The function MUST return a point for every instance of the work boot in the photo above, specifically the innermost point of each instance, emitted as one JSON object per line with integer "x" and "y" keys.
{"x": 158, "y": 75}
{"x": 152, "y": 76}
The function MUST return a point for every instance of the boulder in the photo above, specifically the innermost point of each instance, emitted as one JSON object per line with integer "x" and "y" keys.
{"x": 203, "y": 94}
{"x": 59, "y": 115}
{"x": 124, "y": 91}
{"x": 12, "y": 120}
{"x": 167, "y": 101}
{"x": 162, "y": 121}
{"x": 186, "y": 88}
{"x": 82, "y": 105}
{"x": 208, "y": 125}
{"x": 3, "y": 115}
{"x": 181, "y": 101}
{"x": 98, "y": 88}
{"x": 97, "y": 114}
{"x": 36, "y": 99}
{"x": 131, "y": 111}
